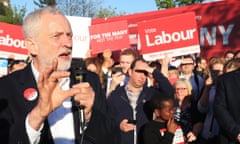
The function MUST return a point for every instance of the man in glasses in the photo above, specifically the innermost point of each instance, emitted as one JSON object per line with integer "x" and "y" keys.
{"x": 129, "y": 104}
{"x": 187, "y": 72}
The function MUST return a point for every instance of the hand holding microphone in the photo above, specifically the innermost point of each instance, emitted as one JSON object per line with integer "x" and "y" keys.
{"x": 85, "y": 98}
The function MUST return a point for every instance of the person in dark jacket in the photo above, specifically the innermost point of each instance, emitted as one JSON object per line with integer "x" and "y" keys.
{"x": 40, "y": 104}
{"x": 226, "y": 107}
{"x": 163, "y": 128}
{"x": 129, "y": 105}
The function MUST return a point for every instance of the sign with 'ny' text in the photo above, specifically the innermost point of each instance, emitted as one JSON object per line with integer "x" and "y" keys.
{"x": 113, "y": 36}
{"x": 173, "y": 36}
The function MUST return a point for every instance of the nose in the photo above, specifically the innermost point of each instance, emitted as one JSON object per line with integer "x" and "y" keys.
{"x": 172, "y": 112}
{"x": 67, "y": 41}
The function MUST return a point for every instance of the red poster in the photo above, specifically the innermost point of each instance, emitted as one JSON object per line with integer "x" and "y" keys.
{"x": 11, "y": 41}
{"x": 112, "y": 36}
{"x": 173, "y": 36}
{"x": 218, "y": 24}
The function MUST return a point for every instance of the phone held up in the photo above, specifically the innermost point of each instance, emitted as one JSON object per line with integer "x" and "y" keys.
{"x": 130, "y": 121}
{"x": 116, "y": 69}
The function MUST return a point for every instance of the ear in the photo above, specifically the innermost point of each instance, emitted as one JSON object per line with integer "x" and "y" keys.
{"x": 157, "y": 112}
{"x": 31, "y": 46}
{"x": 129, "y": 71}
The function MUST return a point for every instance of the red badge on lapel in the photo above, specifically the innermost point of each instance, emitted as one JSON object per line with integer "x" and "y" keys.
{"x": 30, "y": 94}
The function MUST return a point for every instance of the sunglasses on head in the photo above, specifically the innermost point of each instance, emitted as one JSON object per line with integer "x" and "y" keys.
{"x": 186, "y": 64}
{"x": 18, "y": 61}
{"x": 141, "y": 71}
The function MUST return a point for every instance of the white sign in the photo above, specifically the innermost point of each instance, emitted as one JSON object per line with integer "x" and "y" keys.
{"x": 81, "y": 40}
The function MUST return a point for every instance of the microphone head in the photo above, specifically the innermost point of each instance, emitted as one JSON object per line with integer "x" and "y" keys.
{"x": 78, "y": 63}
{"x": 79, "y": 70}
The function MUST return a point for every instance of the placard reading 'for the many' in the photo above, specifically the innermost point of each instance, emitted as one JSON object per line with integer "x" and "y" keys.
{"x": 173, "y": 36}
{"x": 113, "y": 36}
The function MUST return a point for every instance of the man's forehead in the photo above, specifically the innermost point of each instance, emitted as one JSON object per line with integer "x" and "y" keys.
{"x": 186, "y": 60}
{"x": 139, "y": 64}
{"x": 126, "y": 56}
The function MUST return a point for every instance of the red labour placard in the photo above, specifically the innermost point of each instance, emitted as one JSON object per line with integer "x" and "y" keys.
{"x": 11, "y": 41}
{"x": 173, "y": 36}
{"x": 113, "y": 36}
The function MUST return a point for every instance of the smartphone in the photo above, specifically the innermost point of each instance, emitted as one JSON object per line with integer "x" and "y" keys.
{"x": 130, "y": 121}
{"x": 214, "y": 75}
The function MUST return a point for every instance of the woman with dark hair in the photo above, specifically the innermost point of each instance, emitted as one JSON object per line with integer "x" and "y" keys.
{"x": 205, "y": 103}
{"x": 94, "y": 65}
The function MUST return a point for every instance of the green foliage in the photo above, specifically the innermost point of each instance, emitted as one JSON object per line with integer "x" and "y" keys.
{"x": 44, "y": 3}
{"x": 164, "y": 4}
{"x": 2, "y": 9}
{"x": 108, "y": 12}
{"x": 84, "y": 8}
{"x": 18, "y": 14}
{"x": 12, "y": 16}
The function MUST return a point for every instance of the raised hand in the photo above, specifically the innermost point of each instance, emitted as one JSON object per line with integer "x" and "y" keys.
{"x": 51, "y": 95}
{"x": 126, "y": 127}
{"x": 85, "y": 97}
{"x": 172, "y": 125}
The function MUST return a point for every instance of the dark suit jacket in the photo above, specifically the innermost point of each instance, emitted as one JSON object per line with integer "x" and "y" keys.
{"x": 227, "y": 106}
{"x": 119, "y": 106}
{"x": 15, "y": 108}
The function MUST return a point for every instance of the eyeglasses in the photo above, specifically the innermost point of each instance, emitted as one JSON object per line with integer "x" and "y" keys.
{"x": 177, "y": 89}
{"x": 186, "y": 64}
{"x": 141, "y": 71}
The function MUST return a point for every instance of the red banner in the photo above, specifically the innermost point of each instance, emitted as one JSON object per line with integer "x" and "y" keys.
{"x": 11, "y": 41}
{"x": 173, "y": 36}
{"x": 113, "y": 36}
{"x": 218, "y": 24}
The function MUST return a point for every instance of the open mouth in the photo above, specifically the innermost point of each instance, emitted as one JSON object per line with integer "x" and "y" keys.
{"x": 65, "y": 55}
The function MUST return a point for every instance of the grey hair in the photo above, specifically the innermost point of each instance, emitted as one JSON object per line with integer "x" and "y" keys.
{"x": 31, "y": 23}
{"x": 186, "y": 83}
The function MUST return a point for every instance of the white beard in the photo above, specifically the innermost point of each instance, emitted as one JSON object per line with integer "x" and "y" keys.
{"x": 63, "y": 66}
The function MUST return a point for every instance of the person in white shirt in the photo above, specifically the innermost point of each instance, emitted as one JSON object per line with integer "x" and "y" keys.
{"x": 41, "y": 101}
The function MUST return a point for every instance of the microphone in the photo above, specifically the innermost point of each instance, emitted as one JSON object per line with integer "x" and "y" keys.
{"x": 80, "y": 75}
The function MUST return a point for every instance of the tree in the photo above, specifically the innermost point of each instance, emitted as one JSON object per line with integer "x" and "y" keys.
{"x": 85, "y": 8}
{"x": 163, "y": 4}
{"x": 18, "y": 14}
{"x": 44, "y": 3}
{"x": 12, "y": 15}
{"x": 108, "y": 12}
{"x": 2, "y": 9}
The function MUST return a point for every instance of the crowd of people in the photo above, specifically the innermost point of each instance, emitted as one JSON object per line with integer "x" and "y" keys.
{"x": 120, "y": 101}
